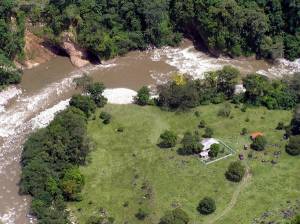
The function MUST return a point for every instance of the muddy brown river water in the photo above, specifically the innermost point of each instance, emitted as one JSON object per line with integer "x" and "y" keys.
{"x": 46, "y": 89}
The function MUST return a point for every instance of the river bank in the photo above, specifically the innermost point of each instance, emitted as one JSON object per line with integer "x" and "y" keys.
{"x": 45, "y": 90}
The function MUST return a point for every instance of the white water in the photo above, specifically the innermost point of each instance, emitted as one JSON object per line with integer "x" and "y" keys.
{"x": 196, "y": 63}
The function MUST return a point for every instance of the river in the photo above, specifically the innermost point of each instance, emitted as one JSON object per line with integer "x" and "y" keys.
{"x": 44, "y": 90}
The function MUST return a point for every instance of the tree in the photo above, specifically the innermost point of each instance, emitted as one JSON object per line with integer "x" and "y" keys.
{"x": 227, "y": 80}
{"x": 72, "y": 183}
{"x": 95, "y": 90}
{"x": 143, "y": 96}
{"x": 208, "y": 132}
{"x": 141, "y": 214}
{"x": 214, "y": 150}
{"x": 106, "y": 117}
{"x": 295, "y": 122}
{"x": 259, "y": 143}
{"x": 190, "y": 144}
{"x": 168, "y": 139}
{"x": 206, "y": 206}
{"x": 84, "y": 103}
{"x": 177, "y": 216}
{"x": 293, "y": 147}
{"x": 182, "y": 97}
{"x": 235, "y": 171}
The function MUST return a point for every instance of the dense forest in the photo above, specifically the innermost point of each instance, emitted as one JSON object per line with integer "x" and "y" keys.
{"x": 12, "y": 27}
{"x": 268, "y": 28}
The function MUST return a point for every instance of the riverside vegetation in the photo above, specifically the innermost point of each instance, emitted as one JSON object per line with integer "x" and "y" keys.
{"x": 269, "y": 29}
{"x": 136, "y": 171}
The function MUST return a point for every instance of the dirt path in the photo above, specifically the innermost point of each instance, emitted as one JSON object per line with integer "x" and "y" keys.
{"x": 234, "y": 197}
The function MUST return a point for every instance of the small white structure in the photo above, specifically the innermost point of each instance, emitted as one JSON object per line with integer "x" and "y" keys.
{"x": 239, "y": 89}
{"x": 207, "y": 143}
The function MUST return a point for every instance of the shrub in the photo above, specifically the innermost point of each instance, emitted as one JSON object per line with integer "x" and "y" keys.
{"x": 235, "y": 171}
{"x": 206, "y": 206}
{"x": 296, "y": 220}
{"x": 247, "y": 119}
{"x": 214, "y": 150}
{"x": 293, "y": 147}
{"x": 259, "y": 143}
{"x": 84, "y": 103}
{"x": 95, "y": 90}
{"x": 197, "y": 113}
{"x": 208, "y": 132}
{"x": 72, "y": 183}
{"x": 244, "y": 108}
{"x": 143, "y": 96}
{"x": 168, "y": 139}
{"x": 141, "y": 214}
{"x": 177, "y": 216}
{"x": 202, "y": 124}
{"x": 244, "y": 131}
{"x": 106, "y": 117}
{"x": 190, "y": 144}
{"x": 225, "y": 111}
{"x": 120, "y": 129}
{"x": 280, "y": 126}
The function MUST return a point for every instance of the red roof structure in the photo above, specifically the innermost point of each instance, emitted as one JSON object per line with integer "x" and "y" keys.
{"x": 254, "y": 135}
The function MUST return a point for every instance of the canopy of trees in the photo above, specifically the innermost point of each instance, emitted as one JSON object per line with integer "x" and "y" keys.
{"x": 12, "y": 27}
{"x": 50, "y": 161}
{"x": 235, "y": 27}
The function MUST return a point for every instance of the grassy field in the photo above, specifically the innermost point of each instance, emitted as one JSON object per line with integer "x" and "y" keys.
{"x": 129, "y": 168}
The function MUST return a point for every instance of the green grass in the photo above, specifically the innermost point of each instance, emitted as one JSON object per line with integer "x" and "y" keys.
{"x": 122, "y": 163}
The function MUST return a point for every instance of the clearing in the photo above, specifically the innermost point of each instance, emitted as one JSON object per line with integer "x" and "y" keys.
{"x": 127, "y": 170}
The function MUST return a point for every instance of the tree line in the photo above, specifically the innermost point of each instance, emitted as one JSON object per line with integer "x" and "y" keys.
{"x": 220, "y": 86}
{"x": 268, "y": 28}
{"x": 51, "y": 157}
{"x": 12, "y": 28}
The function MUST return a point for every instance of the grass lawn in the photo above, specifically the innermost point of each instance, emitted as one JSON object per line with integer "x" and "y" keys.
{"x": 129, "y": 167}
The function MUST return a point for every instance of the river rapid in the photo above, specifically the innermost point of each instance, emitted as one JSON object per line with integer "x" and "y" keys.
{"x": 46, "y": 89}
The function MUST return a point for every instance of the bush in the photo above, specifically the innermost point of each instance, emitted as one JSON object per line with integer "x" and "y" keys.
{"x": 206, "y": 206}
{"x": 293, "y": 147}
{"x": 244, "y": 131}
{"x": 106, "y": 117}
{"x": 190, "y": 144}
{"x": 72, "y": 183}
{"x": 225, "y": 111}
{"x": 214, "y": 150}
{"x": 177, "y": 216}
{"x": 235, "y": 171}
{"x": 208, "y": 132}
{"x": 296, "y": 220}
{"x": 202, "y": 124}
{"x": 168, "y": 139}
{"x": 141, "y": 214}
{"x": 84, "y": 103}
{"x": 95, "y": 90}
{"x": 143, "y": 96}
{"x": 280, "y": 126}
{"x": 259, "y": 143}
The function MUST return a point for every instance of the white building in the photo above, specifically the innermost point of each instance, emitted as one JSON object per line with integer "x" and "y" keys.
{"x": 207, "y": 143}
